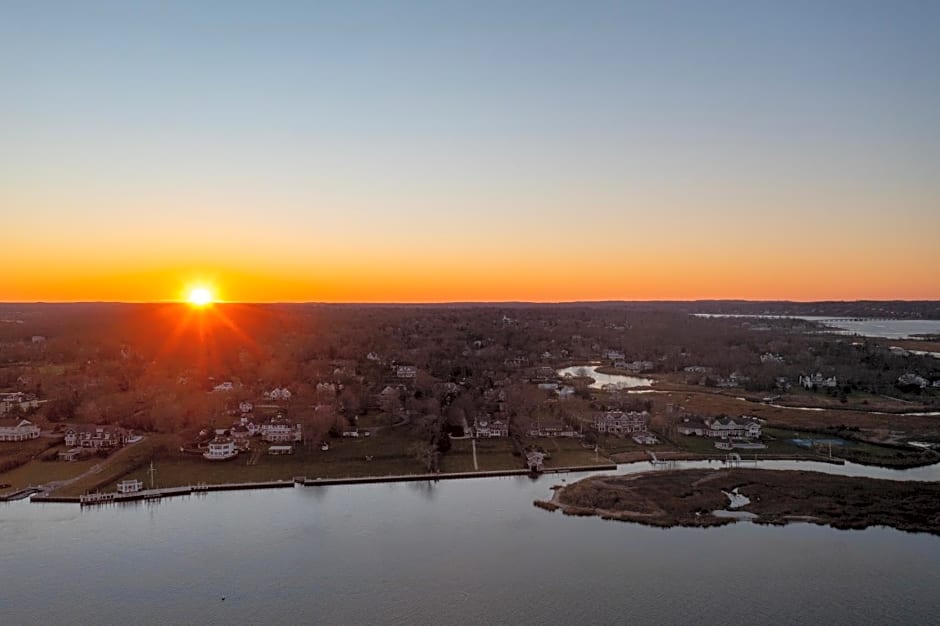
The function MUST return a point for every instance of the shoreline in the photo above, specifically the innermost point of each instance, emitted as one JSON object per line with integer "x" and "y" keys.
{"x": 303, "y": 481}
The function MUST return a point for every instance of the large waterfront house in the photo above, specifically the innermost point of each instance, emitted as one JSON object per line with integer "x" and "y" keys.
{"x": 738, "y": 427}
{"x": 483, "y": 429}
{"x": 280, "y": 430}
{"x": 729, "y": 432}
{"x": 621, "y": 422}
{"x": 17, "y": 400}
{"x": 220, "y": 449}
{"x": 18, "y": 431}
{"x": 97, "y": 437}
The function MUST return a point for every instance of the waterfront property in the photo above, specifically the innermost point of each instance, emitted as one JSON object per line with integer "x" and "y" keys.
{"x": 220, "y": 449}
{"x": 21, "y": 430}
{"x": 621, "y": 423}
{"x": 96, "y": 437}
{"x": 490, "y": 428}
{"x": 280, "y": 430}
{"x": 17, "y": 400}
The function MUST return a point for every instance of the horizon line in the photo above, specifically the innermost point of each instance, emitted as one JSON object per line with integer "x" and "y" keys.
{"x": 480, "y": 302}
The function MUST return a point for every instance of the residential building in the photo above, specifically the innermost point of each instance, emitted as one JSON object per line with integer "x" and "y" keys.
{"x": 277, "y": 394}
{"x": 621, "y": 423}
{"x": 279, "y": 430}
{"x": 96, "y": 437}
{"x": 817, "y": 380}
{"x": 19, "y": 431}
{"x": 17, "y": 400}
{"x": 406, "y": 371}
{"x": 740, "y": 427}
{"x": 220, "y": 449}
{"x": 490, "y": 428}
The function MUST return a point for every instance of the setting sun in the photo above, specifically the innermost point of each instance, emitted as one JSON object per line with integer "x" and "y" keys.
{"x": 200, "y": 296}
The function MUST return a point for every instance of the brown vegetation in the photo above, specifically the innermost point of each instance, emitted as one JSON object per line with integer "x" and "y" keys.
{"x": 689, "y": 498}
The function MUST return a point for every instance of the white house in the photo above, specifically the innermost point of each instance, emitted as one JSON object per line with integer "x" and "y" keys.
{"x": 21, "y": 431}
{"x": 490, "y": 428}
{"x": 245, "y": 407}
{"x": 224, "y": 387}
{"x": 220, "y": 449}
{"x": 97, "y": 437}
{"x": 726, "y": 427}
{"x": 17, "y": 400}
{"x": 38, "y": 339}
{"x": 279, "y": 430}
{"x": 817, "y": 380}
{"x": 770, "y": 357}
{"x": 406, "y": 371}
{"x": 278, "y": 394}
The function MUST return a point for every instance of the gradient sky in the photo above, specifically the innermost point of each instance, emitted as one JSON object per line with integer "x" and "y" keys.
{"x": 444, "y": 151}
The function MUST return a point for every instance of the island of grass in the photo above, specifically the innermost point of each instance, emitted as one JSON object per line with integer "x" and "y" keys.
{"x": 700, "y": 498}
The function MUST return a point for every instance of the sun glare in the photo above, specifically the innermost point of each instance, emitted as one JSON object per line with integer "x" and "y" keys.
{"x": 200, "y": 296}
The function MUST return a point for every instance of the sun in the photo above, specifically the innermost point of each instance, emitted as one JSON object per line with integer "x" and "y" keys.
{"x": 200, "y": 297}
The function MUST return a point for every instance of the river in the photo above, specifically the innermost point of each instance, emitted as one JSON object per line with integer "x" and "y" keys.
{"x": 885, "y": 328}
{"x": 463, "y": 551}
{"x": 603, "y": 380}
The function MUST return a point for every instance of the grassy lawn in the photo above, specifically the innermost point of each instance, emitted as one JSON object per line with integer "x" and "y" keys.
{"x": 41, "y": 472}
{"x": 346, "y": 457}
{"x": 492, "y": 454}
{"x": 114, "y": 467}
{"x": 16, "y": 453}
{"x": 566, "y": 452}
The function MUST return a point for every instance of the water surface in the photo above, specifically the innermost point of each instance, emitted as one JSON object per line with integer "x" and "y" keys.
{"x": 471, "y": 551}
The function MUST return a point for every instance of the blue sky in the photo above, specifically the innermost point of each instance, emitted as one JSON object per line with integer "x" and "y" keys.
{"x": 399, "y": 126}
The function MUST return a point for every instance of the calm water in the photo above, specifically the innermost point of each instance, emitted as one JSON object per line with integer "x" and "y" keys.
{"x": 472, "y": 551}
{"x": 602, "y": 380}
{"x": 889, "y": 329}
